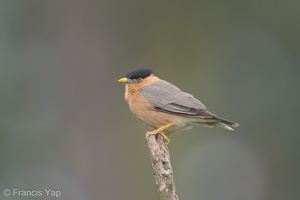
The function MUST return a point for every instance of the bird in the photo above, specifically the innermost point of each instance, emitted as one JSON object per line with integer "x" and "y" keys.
{"x": 164, "y": 107}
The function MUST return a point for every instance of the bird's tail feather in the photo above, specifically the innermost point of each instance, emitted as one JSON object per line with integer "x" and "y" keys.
{"x": 224, "y": 123}
{"x": 220, "y": 124}
{"x": 217, "y": 121}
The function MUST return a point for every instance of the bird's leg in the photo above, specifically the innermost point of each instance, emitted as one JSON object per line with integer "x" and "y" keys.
{"x": 160, "y": 131}
{"x": 166, "y": 139}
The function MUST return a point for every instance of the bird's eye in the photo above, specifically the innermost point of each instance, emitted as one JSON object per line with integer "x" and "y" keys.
{"x": 139, "y": 79}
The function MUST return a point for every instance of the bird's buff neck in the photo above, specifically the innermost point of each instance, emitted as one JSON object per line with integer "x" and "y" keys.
{"x": 132, "y": 89}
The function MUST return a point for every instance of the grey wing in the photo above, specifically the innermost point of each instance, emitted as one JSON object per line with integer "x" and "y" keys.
{"x": 166, "y": 97}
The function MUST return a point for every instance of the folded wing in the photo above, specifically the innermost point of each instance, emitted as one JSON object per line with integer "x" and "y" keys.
{"x": 166, "y": 97}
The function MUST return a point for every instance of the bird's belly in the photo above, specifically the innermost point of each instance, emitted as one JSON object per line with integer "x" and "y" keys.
{"x": 156, "y": 119}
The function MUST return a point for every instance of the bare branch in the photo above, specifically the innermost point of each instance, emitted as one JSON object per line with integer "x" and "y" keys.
{"x": 162, "y": 168}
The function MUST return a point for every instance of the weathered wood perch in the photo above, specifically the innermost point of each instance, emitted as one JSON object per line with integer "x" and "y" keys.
{"x": 162, "y": 168}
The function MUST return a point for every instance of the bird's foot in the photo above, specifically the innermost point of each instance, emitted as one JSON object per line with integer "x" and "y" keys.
{"x": 160, "y": 131}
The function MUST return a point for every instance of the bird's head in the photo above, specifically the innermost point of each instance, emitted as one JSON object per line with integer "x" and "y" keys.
{"x": 136, "y": 76}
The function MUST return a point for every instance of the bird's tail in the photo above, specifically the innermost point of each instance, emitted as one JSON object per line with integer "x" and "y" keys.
{"x": 224, "y": 123}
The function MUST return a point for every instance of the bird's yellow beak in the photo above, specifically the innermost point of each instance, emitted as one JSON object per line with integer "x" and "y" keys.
{"x": 124, "y": 80}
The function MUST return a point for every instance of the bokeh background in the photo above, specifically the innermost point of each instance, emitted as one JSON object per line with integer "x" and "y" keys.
{"x": 65, "y": 125}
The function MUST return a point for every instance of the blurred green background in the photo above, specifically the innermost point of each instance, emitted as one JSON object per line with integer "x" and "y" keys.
{"x": 65, "y": 124}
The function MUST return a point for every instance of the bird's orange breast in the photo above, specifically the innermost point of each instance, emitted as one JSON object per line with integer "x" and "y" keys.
{"x": 138, "y": 105}
{"x": 144, "y": 111}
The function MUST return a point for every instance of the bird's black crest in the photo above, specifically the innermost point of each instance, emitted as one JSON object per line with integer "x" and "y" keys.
{"x": 139, "y": 73}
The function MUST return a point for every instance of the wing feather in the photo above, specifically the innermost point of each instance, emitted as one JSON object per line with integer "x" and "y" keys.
{"x": 166, "y": 97}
